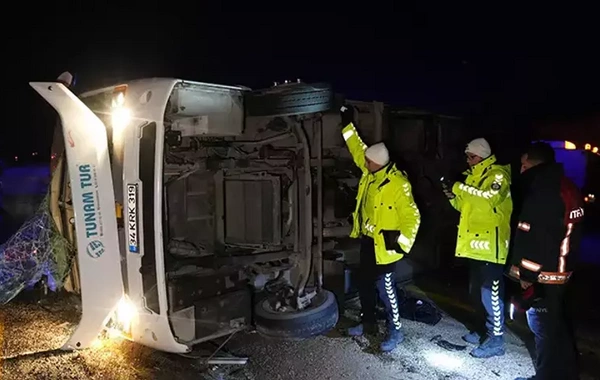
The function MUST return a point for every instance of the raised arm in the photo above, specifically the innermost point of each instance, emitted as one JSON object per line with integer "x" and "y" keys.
{"x": 355, "y": 145}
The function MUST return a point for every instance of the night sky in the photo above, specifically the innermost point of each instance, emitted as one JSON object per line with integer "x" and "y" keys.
{"x": 499, "y": 67}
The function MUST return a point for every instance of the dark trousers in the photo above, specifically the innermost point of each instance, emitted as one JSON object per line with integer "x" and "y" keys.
{"x": 486, "y": 290}
{"x": 556, "y": 355}
{"x": 377, "y": 279}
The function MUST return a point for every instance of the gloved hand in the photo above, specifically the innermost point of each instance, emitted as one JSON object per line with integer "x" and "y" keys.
{"x": 447, "y": 187}
{"x": 391, "y": 240}
{"x": 347, "y": 114}
{"x": 528, "y": 296}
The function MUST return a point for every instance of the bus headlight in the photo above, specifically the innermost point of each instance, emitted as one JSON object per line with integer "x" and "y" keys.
{"x": 122, "y": 319}
{"x": 120, "y": 117}
{"x": 126, "y": 312}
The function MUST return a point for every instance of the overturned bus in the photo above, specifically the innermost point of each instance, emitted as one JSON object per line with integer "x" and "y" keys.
{"x": 199, "y": 210}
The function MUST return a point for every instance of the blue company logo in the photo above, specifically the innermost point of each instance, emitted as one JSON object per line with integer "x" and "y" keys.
{"x": 95, "y": 249}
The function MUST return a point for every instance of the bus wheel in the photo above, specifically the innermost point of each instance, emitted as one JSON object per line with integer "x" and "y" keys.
{"x": 289, "y": 99}
{"x": 320, "y": 317}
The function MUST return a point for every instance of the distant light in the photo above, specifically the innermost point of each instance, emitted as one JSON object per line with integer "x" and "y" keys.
{"x": 512, "y": 310}
{"x": 443, "y": 361}
{"x": 588, "y": 146}
{"x": 570, "y": 146}
{"x": 16, "y": 158}
{"x": 595, "y": 150}
{"x": 34, "y": 153}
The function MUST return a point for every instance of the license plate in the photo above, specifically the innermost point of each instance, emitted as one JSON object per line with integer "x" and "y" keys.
{"x": 132, "y": 218}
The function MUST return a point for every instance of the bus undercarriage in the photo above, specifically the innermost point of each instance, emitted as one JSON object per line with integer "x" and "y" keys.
{"x": 230, "y": 204}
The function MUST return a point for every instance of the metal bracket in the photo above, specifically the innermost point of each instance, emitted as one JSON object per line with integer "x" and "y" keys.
{"x": 304, "y": 301}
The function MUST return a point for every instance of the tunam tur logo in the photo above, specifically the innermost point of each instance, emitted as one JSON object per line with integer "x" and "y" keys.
{"x": 95, "y": 248}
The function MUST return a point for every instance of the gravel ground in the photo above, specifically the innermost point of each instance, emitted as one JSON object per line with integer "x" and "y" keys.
{"x": 31, "y": 345}
{"x": 335, "y": 357}
{"x": 33, "y": 333}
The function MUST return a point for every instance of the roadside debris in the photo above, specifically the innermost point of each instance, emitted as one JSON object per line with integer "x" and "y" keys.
{"x": 447, "y": 345}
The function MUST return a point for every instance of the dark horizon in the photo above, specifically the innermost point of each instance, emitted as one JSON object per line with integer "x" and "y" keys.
{"x": 497, "y": 72}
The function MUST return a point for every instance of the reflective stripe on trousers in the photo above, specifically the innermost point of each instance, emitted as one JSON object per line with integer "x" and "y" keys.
{"x": 377, "y": 280}
{"x": 487, "y": 293}
{"x": 390, "y": 299}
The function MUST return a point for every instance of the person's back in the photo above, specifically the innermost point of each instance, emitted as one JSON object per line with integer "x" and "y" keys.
{"x": 549, "y": 229}
{"x": 545, "y": 250}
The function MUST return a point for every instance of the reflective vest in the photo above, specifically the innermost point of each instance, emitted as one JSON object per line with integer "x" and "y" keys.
{"x": 485, "y": 207}
{"x": 394, "y": 208}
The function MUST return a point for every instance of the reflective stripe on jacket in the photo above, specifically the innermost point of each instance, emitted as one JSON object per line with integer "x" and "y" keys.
{"x": 548, "y": 237}
{"x": 485, "y": 207}
{"x": 394, "y": 206}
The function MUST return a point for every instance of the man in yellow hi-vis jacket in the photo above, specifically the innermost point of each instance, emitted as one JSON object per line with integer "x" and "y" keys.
{"x": 485, "y": 207}
{"x": 386, "y": 220}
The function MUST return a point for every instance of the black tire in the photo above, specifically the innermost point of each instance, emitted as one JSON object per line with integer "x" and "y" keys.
{"x": 290, "y": 99}
{"x": 317, "y": 319}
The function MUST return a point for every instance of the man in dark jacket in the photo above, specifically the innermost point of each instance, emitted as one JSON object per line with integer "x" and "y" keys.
{"x": 545, "y": 249}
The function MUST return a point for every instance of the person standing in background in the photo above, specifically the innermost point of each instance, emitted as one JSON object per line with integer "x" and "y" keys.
{"x": 545, "y": 250}
{"x": 485, "y": 207}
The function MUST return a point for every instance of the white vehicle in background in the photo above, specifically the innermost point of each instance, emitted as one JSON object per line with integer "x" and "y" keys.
{"x": 192, "y": 218}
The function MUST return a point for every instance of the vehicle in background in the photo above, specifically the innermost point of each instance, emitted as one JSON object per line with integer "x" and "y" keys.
{"x": 576, "y": 140}
{"x": 582, "y": 166}
{"x": 199, "y": 210}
